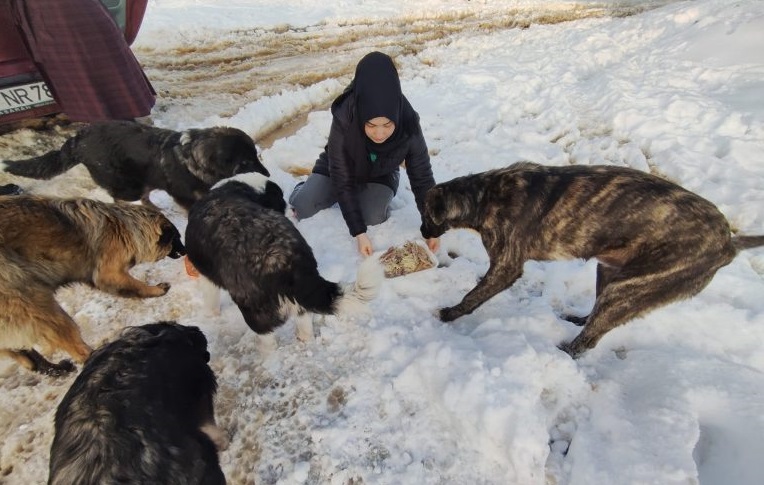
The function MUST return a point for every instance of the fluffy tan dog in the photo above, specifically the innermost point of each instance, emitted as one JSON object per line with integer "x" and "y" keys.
{"x": 47, "y": 243}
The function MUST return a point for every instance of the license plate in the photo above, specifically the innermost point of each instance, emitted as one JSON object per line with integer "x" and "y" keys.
{"x": 24, "y": 97}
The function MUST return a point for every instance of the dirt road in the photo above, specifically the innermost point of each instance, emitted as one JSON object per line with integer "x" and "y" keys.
{"x": 201, "y": 79}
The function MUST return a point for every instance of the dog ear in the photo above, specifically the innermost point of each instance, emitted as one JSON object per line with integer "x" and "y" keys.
{"x": 197, "y": 153}
{"x": 274, "y": 197}
{"x": 212, "y": 154}
{"x": 435, "y": 205}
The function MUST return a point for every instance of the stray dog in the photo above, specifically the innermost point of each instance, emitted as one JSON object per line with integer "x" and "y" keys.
{"x": 654, "y": 241}
{"x": 239, "y": 238}
{"x": 129, "y": 159}
{"x": 46, "y": 243}
{"x": 141, "y": 411}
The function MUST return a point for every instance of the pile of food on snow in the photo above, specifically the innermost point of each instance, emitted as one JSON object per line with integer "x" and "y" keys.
{"x": 409, "y": 258}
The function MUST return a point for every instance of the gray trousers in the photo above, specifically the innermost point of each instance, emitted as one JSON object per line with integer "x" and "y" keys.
{"x": 317, "y": 193}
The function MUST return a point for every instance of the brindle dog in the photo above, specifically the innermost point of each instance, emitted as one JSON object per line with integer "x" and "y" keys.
{"x": 655, "y": 242}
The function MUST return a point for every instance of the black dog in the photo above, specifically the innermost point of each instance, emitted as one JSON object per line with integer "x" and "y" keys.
{"x": 129, "y": 160}
{"x": 239, "y": 238}
{"x": 141, "y": 411}
{"x": 655, "y": 241}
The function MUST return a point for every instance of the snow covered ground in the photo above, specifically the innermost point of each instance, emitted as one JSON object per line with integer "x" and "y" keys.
{"x": 676, "y": 397}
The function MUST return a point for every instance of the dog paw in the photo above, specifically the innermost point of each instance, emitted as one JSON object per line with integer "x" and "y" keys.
{"x": 165, "y": 287}
{"x": 572, "y": 350}
{"x": 59, "y": 370}
{"x": 217, "y": 435}
{"x": 10, "y": 189}
{"x": 449, "y": 314}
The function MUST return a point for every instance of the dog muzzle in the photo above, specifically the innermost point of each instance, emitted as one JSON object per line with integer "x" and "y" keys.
{"x": 178, "y": 250}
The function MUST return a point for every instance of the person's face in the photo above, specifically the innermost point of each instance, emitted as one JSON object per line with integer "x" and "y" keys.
{"x": 379, "y": 129}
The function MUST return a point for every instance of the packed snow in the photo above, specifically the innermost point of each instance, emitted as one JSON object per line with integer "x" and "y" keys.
{"x": 675, "y": 397}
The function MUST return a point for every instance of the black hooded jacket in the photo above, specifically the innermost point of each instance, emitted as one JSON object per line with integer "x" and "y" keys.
{"x": 346, "y": 159}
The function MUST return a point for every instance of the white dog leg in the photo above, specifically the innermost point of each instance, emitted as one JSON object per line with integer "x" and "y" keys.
{"x": 265, "y": 343}
{"x": 210, "y": 295}
{"x": 217, "y": 435}
{"x": 304, "y": 324}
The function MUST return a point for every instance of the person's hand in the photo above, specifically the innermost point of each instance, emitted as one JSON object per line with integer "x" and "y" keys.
{"x": 364, "y": 244}
{"x": 433, "y": 243}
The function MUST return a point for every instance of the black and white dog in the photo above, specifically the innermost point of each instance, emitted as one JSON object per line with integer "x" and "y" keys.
{"x": 239, "y": 238}
{"x": 141, "y": 411}
{"x": 129, "y": 159}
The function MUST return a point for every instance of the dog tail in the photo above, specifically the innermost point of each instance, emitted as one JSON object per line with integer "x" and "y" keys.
{"x": 747, "y": 242}
{"x": 355, "y": 296}
{"x": 43, "y": 167}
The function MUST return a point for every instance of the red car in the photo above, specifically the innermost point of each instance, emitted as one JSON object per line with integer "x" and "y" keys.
{"x": 23, "y": 94}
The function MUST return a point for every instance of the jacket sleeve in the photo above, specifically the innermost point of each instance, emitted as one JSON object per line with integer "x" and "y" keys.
{"x": 343, "y": 176}
{"x": 419, "y": 171}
